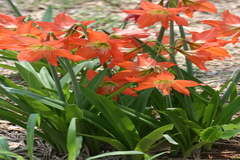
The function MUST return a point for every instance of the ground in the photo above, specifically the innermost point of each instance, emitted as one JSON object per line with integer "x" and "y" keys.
{"x": 109, "y": 13}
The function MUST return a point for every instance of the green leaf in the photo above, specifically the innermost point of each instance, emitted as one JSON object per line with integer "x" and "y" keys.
{"x": 234, "y": 93}
{"x": 4, "y": 144}
{"x": 169, "y": 139}
{"x": 211, "y": 134}
{"x": 5, "y": 81}
{"x": 211, "y": 110}
{"x": 115, "y": 143}
{"x": 227, "y": 113}
{"x": 155, "y": 156}
{"x": 31, "y": 77}
{"x": 54, "y": 103}
{"x": 48, "y": 15}
{"x": 94, "y": 84}
{"x": 140, "y": 104}
{"x": 10, "y": 154}
{"x": 30, "y": 133}
{"x": 193, "y": 126}
{"x": 146, "y": 142}
{"x": 181, "y": 128}
{"x": 8, "y": 67}
{"x": 9, "y": 54}
{"x": 141, "y": 117}
{"x": 230, "y": 130}
{"x": 74, "y": 143}
{"x": 46, "y": 78}
{"x": 72, "y": 111}
{"x": 18, "y": 14}
{"x": 192, "y": 148}
{"x": 47, "y": 114}
{"x": 116, "y": 153}
{"x": 76, "y": 69}
{"x": 127, "y": 133}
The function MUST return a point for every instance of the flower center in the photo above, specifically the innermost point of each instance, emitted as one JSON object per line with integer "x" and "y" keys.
{"x": 44, "y": 49}
{"x": 158, "y": 11}
{"x": 31, "y": 36}
{"x": 102, "y": 47}
{"x": 110, "y": 85}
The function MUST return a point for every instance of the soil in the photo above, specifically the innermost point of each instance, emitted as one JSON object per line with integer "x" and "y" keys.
{"x": 219, "y": 71}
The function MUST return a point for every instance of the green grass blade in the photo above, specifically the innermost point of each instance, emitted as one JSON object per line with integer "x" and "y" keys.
{"x": 30, "y": 133}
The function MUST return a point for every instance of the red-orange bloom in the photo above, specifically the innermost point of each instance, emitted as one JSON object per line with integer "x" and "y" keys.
{"x": 33, "y": 50}
{"x": 145, "y": 66}
{"x": 61, "y": 24}
{"x": 199, "y": 5}
{"x": 111, "y": 85}
{"x": 230, "y": 26}
{"x": 153, "y": 13}
{"x": 164, "y": 82}
{"x": 128, "y": 34}
{"x": 100, "y": 45}
{"x": 26, "y": 29}
{"x": 9, "y": 22}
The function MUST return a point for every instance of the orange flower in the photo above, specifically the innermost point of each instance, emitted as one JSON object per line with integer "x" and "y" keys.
{"x": 199, "y": 5}
{"x": 110, "y": 85}
{"x": 100, "y": 45}
{"x": 230, "y": 26}
{"x": 128, "y": 34}
{"x": 61, "y": 24}
{"x": 33, "y": 50}
{"x": 9, "y": 22}
{"x": 26, "y": 29}
{"x": 145, "y": 66}
{"x": 164, "y": 82}
{"x": 153, "y": 13}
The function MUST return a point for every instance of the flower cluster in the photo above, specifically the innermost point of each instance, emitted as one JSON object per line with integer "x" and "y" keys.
{"x": 66, "y": 37}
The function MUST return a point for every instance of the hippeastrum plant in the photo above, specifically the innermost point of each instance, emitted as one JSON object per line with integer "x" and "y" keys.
{"x": 85, "y": 87}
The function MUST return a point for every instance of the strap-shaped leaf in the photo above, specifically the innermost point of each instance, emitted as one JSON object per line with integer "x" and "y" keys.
{"x": 211, "y": 110}
{"x": 115, "y": 143}
{"x": 226, "y": 114}
{"x": 48, "y": 15}
{"x": 74, "y": 142}
{"x": 30, "y": 133}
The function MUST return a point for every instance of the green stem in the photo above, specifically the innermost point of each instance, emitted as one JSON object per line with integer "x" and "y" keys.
{"x": 169, "y": 101}
{"x": 160, "y": 34}
{"x": 57, "y": 82}
{"x": 120, "y": 90}
{"x": 14, "y": 8}
{"x": 188, "y": 100}
{"x": 185, "y": 47}
{"x": 76, "y": 87}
